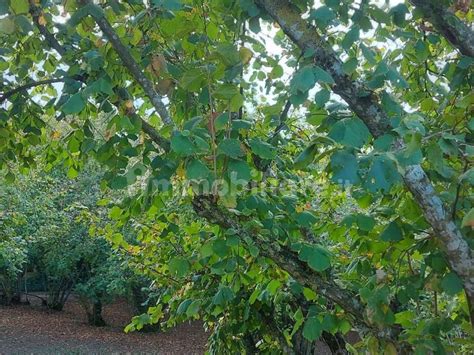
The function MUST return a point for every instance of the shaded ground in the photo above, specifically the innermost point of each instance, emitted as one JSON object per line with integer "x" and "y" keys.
{"x": 33, "y": 329}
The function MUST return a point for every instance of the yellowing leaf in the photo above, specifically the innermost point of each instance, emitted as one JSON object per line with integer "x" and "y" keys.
{"x": 158, "y": 64}
{"x": 245, "y": 55}
{"x": 390, "y": 349}
{"x": 165, "y": 86}
{"x": 42, "y": 20}
{"x": 468, "y": 220}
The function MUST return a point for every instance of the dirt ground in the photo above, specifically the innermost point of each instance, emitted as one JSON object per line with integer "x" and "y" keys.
{"x": 33, "y": 329}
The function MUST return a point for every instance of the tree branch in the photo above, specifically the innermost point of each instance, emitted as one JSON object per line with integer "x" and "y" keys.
{"x": 287, "y": 260}
{"x": 6, "y": 95}
{"x": 282, "y": 120}
{"x": 35, "y": 12}
{"x": 448, "y": 24}
{"x": 130, "y": 63}
{"x": 365, "y": 104}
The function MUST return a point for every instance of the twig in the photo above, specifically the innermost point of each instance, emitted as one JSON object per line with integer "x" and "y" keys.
{"x": 20, "y": 88}
{"x": 129, "y": 62}
{"x": 458, "y": 192}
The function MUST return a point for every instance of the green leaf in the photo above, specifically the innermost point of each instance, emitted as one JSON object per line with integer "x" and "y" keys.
{"x": 9, "y": 177}
{"x": 229, "y": 54}
{"x": 350, "y": 38}
{"x": 451, "y": 284}
{"x": 4, "y": 10}
{"x": 322, "y": 97}
{"x": 405, "y": 318}
{"x": 365, "y": 223}
{"x": 19, "y": 6}
{"x": 273, "y": 286}
{"x": 306, "y": 219}
{"x": 277, "y": 72}
{"x": 351, "y": 132}
{"x": 183, "y": 306}
{"x": 197, "y": 170}
{"x": 383, "y": 143}
{"x": 123, "y": 123}
{"x": 221, "y": 121}
{"x": 223, "y": 296}
{"x": 105, "y": 86}
{"x": 74, "y": 104}
{"x": 115, "y": 212}
{"x": 303, "y": 80}
{"x": 392, "y": 233}
{"x": 368, "y": 54}
{"x": 312, "y": 329}
{"x": 24, "y": 23}
{"x": 226, "y": 91}
{"x": 118, "y": 182}
{"x": 220, "y": 247}
{"x": 241, "y": 124}
{"x": 422, "y": 51}
{"x": 322, "y": 76}
{"x": 72, "y": 173}
{"x": 465, "y": 62}
{"x": 383, "y": 174}
{"x": 329, "y": 323}
{"x": 323, "y": 16}
{"x": 171, "y": 5}
{"x": 249, "y": 7}
{"x": 298, "y": 317}
{"x": 193, "y": 308}
{"x": 262, "y": 149}
{"x": 179, "y": 266}
{"x": 239, "y": 170}
{"x": 306, "y": 157}
{"x": 236, "y": 102}
{"x": 350, "y": 65}
{"x": 192, "y": 80}
{"x": 398, "y": 14}
{"x": 182, "y": 145}
{"x": 317, "y": 257}
{"x": 344, "y": 168}
{"x": 230, "y": 147}
{"x": 7, "y": 25}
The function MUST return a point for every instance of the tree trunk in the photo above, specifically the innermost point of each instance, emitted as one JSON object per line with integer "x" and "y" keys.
{"x": 94, "y": 315}
{"x": 371, "y": 112}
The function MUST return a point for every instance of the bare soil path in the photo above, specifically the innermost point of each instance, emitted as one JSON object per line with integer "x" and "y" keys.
{"x": 35, "y": 330}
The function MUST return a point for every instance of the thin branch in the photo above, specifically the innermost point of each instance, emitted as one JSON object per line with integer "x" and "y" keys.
{"x": 36, "y": 13}
{"x": 6, "y": 95}
{"x": 458, "y": 192}
{"x": 129, "y": 62}
{"x": 282, "y": 120}
{"x": 448, "y": 24}
{"x": 51, "y": 40}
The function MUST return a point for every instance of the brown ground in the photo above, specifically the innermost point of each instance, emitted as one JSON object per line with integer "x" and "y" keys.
{"x": 33, "y": 329}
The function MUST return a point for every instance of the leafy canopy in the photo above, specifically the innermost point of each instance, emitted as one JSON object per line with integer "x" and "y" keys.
{"x": 306, "y": 226}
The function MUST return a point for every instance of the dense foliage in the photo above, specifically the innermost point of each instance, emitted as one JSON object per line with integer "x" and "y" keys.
{"x": 45, "y": 237}
{"x": 290, "y": 170}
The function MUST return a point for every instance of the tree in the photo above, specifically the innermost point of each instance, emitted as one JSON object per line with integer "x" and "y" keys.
{"x": 12, "y": 260}
{"x": 45, "y": 228}
{"x": 371, "y": 132}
